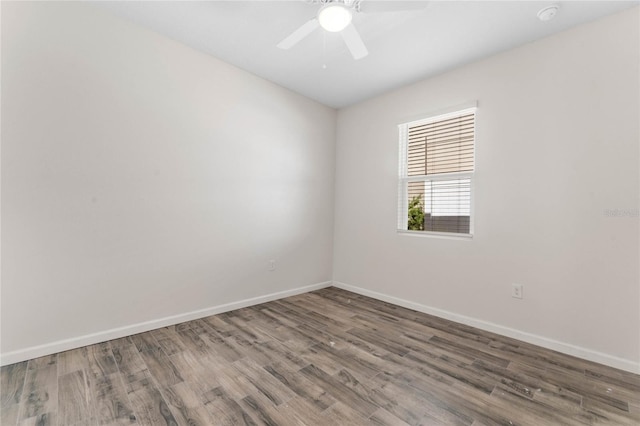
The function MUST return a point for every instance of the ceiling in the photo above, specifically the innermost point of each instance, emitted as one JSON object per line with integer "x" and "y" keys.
{"x": 404, "y": 47}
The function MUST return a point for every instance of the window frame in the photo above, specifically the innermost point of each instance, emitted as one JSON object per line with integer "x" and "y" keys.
{"x": 404, "y": 178}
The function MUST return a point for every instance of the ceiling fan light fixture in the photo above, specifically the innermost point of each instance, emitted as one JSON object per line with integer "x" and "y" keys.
{"x": 334, "y": 17}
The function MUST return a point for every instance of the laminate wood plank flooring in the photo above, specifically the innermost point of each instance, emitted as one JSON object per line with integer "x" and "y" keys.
{"x": 328, "y": 357}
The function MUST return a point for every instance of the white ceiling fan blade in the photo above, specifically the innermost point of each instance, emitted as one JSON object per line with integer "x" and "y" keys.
{"x": 354, "y": 42}
{"x": 306, "y": 29}
{"x": 375, "y": 6}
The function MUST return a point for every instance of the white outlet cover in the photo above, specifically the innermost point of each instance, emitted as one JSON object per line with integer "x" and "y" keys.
{"x": 516, "y": 291}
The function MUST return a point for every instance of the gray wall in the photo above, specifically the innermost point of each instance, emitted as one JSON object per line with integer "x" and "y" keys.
{"x": 557, "y": 144}
{"x": 142, "y": 179}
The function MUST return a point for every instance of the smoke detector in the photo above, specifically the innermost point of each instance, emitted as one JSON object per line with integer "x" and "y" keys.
{"x": 548, "y": 13}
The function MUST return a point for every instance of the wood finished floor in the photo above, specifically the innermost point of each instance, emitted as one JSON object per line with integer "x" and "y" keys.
{"x": 324, "y": 358}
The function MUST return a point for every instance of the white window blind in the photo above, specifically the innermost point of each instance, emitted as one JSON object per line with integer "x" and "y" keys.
{"x": 436, "y": 173}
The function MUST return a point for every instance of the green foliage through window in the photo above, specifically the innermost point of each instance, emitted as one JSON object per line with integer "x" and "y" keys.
{"x": 416, "y": 214}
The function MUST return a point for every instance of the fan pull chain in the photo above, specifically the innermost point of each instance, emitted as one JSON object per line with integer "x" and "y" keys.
{"x": 324, "y": 50}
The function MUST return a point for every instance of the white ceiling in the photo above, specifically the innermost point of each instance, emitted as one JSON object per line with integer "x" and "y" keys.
{"x": 404, "y": 47}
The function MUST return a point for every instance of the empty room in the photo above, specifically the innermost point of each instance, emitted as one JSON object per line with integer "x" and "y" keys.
{"x": 320, "y": 212}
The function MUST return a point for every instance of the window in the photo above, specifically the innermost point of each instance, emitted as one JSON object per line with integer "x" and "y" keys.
{"x": 436, "y": 174}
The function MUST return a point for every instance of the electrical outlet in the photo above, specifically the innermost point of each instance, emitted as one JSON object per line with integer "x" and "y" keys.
{"x": 271, "y": 265}
{"x": 516, "y": 291}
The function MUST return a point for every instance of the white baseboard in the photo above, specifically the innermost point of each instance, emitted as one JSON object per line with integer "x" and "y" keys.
{"x": 577, "y": 351}
{"x": 116, "y": 333}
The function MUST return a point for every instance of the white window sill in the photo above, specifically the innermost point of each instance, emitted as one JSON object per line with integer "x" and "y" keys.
{"x": 441, "y": 235}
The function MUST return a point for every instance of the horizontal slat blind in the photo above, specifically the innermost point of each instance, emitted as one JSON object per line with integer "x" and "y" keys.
{"x": 437, "y": 168}
{"x": 441, "y": 147}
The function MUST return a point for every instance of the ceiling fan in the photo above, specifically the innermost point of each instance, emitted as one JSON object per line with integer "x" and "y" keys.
{"x": 336, "y": 16}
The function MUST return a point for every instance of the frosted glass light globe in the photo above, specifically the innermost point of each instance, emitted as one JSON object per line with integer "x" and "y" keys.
{"x": 334, "y": 17}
